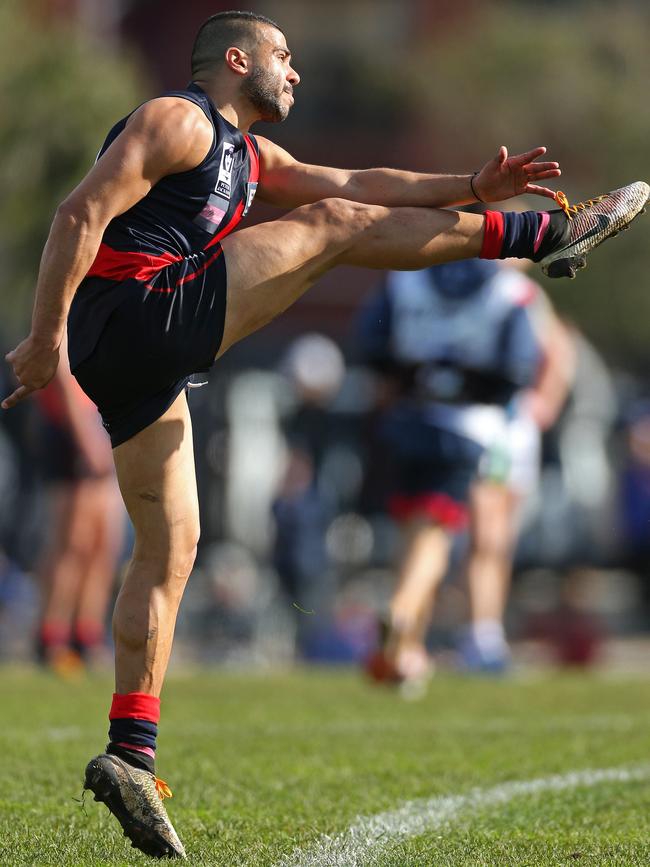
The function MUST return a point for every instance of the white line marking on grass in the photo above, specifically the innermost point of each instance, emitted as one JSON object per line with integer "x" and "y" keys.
{"x": 370, "y": 834}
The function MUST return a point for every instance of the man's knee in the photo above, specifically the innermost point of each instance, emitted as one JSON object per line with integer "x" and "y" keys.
{"x": 341, "y": 218}
{"x": 169, "y": 551}
{"x": 182, "y": 559}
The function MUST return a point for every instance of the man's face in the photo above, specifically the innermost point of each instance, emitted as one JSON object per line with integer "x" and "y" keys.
{"x": 269, "y": 85}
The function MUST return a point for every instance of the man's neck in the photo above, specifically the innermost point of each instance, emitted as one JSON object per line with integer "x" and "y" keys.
{"x": 232, "y": 106}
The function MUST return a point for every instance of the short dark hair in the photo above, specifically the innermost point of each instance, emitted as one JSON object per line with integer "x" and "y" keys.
{"x": 221, "y": 31}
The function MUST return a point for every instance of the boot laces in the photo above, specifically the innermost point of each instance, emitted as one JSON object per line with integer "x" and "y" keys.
{"x": 572, "y": 210}
{"x": 163, "y": 789}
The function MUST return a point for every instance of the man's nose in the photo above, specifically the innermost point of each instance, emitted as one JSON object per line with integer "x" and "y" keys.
{"x": 293, "y": 78}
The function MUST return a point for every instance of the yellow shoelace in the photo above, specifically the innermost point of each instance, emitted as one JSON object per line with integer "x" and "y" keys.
{"x": 572, "y": 210}
{"x": 163, "y": 789}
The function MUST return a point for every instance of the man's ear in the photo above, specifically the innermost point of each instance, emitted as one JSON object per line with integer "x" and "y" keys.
{"x": 237, "y": 60}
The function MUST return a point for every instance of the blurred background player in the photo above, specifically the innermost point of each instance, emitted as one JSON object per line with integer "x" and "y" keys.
{"x": 77, "y": 568}
{"x": 458, "y": 345}
{"x": 506, "y": 482}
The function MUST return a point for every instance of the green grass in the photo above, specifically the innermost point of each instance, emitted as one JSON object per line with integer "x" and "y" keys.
{"x": 261, "y": 764}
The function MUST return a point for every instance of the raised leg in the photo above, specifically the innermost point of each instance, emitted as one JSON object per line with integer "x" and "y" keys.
{"x": 271, "y": 265}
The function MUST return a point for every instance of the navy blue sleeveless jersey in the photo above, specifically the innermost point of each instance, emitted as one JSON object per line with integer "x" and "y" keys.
{"x": 151, "y": 310}
{"x": 178, "y": 223}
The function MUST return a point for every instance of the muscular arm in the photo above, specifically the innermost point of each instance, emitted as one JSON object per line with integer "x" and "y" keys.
{"x": 162, "y": 137}
{"x": 288, "y": 183}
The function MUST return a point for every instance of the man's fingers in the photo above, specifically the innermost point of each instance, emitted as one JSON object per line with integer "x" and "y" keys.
{"x": 529, "y": 156}
{"x": 535, "y": 168}
{"x": 536, "y": 190}
{"x": 548, "y": 173}
{"x": 19, "y": 394}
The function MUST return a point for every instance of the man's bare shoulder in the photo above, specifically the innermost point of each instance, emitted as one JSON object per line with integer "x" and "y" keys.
{"x": 175, "y": 126}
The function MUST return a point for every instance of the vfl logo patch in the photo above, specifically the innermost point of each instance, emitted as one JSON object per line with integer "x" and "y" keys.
{"x": 224, "y": 180}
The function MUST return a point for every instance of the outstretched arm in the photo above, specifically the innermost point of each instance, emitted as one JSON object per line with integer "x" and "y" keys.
{"x": 288, "y": 183}
{"x": 164, "y": 136}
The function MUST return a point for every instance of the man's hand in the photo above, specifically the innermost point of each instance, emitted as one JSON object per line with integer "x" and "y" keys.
{"x": 504, "y": 176}
{"x": 34, "y": 364}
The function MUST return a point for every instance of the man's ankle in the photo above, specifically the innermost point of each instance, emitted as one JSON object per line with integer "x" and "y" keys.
{"x": 528, "y": 235}
{"x": 134, "y": 757}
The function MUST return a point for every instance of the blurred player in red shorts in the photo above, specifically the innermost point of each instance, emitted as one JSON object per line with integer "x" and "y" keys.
{"x": 84, "y": 531}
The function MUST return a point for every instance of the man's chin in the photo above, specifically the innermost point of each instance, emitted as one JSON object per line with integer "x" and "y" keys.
{"x": 276, "y": 116}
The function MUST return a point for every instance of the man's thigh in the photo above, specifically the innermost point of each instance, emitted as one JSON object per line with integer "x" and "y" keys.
{"x": 271, "y": 265}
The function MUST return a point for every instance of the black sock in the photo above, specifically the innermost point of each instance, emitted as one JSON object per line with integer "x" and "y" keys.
{"x": 532, "y": 234}
{"x": 519, "y": 234}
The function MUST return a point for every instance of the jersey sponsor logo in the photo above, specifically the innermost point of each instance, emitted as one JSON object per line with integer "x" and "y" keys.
{"x": 212, "y": 213}
{"x": 251, "y": 189}
{"x": 224, "y": 179}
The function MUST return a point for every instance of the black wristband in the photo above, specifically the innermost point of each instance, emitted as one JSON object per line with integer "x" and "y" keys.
{"x": 474, "y": 193}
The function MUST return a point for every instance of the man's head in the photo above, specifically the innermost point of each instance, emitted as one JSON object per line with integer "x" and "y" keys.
{"x": 254, "y": 48}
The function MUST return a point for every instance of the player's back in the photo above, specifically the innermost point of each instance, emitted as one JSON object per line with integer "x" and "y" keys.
{"x": 459, "y": 332}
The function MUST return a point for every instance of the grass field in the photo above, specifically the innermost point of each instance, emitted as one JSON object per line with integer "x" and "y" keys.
{"x": 263, "y": 766}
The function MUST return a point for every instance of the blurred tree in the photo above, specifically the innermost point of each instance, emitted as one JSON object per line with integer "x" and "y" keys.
{"x": 58, "y": 98}
{"x": 575, "y": 78}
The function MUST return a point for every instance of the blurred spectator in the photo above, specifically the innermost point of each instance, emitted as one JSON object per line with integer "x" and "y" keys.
{"x": 303, "y": 508}
{"x": 635, "y": 497}
{"x": 458, "y": 345}
{"x": 84, "y": 526}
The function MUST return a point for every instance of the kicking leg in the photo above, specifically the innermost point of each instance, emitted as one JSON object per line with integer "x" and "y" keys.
{"x": 271, "y": 265}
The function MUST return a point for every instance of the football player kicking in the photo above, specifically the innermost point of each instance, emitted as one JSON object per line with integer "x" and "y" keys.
{"x": 142, "y": 265}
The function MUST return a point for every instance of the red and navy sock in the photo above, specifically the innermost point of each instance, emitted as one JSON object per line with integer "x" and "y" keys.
{"x": 529, "y": 235}
{"x": 134, "y": 719}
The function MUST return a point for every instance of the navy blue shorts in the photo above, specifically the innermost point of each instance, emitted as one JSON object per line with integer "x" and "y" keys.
{"x": 133, "y": 357}
{"x": 431, "y": 469}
